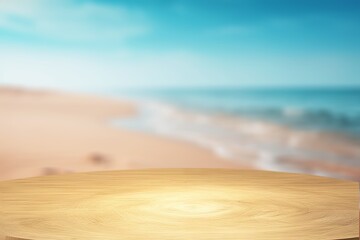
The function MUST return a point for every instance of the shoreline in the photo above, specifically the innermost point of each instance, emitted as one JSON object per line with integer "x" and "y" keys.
{"x": 262, "y": 144}
{"x": 48, "y": 132}
{"x": 53, "y": 132}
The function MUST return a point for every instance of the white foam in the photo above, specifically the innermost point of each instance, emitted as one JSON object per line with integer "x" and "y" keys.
{"x": 292, "y": 112}
{"x": 226, "y": 136}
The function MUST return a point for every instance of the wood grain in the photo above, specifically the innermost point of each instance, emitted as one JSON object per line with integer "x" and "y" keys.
{"x": 179, "y": 204}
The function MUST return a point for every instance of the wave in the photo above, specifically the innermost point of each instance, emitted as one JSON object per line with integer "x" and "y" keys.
{"x": 250, "y": 139}
{"x": 315, "y": 119}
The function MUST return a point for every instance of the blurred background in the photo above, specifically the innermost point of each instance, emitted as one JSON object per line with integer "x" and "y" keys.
{"x": 260, "y": 84}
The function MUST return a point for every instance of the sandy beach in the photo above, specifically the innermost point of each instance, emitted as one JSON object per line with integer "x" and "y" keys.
{"x": 45, "y": 132}
{"x": 50, "y": 132}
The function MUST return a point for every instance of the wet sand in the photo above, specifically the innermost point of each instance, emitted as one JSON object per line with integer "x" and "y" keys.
{"x": 264, "y": 145}
{"x": 45, "y": 133}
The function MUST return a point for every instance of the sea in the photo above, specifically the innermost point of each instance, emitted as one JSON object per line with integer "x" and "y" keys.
{"x": 304, "y": 130}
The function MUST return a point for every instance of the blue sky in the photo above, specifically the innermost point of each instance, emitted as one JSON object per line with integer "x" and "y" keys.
{"x": 169, "y": 43}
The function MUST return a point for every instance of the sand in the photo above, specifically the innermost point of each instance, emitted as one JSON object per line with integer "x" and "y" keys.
{"x": 46, "y": 132}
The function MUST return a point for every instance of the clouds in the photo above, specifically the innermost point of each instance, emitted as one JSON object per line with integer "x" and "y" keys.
{"x": 72, "y": 20}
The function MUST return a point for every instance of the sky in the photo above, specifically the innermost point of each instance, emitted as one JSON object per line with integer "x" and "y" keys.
{"x": 91, "y": 44}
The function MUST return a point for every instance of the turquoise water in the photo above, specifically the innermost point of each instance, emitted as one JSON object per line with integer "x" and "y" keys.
{"x": 314, "y": 131}
{"x": 331, "y": 110}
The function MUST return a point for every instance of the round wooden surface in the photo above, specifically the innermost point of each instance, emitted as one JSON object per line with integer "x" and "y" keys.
{"x": 179, "y": 204}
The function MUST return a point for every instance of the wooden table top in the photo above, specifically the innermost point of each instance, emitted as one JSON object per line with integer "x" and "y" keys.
{"x": 174, "y": 204}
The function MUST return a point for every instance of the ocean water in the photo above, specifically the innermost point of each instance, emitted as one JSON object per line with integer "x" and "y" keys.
{"x": 335, "y": 110}
{"x": 314, "y": 131}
